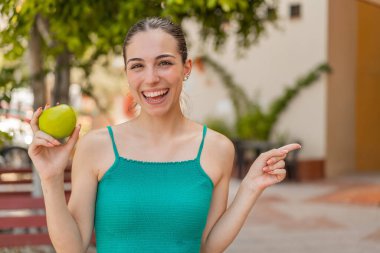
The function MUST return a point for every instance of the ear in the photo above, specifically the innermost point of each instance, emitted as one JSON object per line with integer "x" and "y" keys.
{"x": 187, "y": 67}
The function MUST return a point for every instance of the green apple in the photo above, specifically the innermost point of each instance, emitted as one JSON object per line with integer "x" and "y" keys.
{"x": 58, "y": 121}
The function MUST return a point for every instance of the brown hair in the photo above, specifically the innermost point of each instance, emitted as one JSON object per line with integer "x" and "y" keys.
{"x": 157, "y": 23}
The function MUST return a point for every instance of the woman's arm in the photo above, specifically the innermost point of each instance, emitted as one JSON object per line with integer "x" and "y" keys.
{"x": 69, "y": 230}
{"x": 70, "y": 225}
{"x": 265, "y": 171}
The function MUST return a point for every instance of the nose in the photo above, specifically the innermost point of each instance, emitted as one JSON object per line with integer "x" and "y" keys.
{"x": 151, "y": 76}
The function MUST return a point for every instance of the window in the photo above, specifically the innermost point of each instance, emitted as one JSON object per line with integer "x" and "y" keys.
{"x": 295, "y": 11}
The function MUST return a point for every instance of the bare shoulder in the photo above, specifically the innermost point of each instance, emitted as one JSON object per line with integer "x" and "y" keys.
{"x": 220, "y": 143}
{"x": 95, "y": 149}
{"x": 93, "y": 140}
{"x": 219, "y": 154}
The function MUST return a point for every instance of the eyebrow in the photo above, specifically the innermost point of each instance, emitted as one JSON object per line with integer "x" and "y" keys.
{"x": 157, "y": 58}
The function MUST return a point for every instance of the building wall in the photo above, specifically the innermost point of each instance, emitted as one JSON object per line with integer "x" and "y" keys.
{"x": 368, "y": 87}
{"x": 341, "y": 87}
{"x": 283, "y": 54}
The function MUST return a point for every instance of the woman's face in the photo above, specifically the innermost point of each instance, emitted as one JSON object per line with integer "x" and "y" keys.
{"x": 155, "y": 71}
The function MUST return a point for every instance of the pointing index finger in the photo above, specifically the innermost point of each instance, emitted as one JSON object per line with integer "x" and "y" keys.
{"x": 290, "y": 147}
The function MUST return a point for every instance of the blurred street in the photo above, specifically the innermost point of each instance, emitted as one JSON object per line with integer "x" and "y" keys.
{"x": 330, "y": 216}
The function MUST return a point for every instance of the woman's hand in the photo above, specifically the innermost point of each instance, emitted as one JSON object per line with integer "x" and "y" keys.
{"x": 49, "y": 156}
{"x": 268, "y": 168}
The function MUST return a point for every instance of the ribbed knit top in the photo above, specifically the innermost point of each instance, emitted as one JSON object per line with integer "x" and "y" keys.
{"x": 150, "y": 207}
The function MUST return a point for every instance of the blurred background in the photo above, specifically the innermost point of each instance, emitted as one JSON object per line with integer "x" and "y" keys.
{"x": 265, "y": 73}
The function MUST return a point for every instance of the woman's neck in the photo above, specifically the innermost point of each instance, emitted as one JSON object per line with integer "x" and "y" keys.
{"x": 161, "y": 126}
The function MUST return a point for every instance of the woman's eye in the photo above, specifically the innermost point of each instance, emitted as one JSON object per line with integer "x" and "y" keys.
{"x": 165, "y": 63}
{"x": 136, "y": 66}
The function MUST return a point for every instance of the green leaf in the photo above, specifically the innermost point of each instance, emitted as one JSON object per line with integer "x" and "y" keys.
{"x": 226, "y": 5}
{"x": 211, "y": 4}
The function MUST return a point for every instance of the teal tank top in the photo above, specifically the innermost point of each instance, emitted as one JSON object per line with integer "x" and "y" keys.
{"x": 152, "y": 206}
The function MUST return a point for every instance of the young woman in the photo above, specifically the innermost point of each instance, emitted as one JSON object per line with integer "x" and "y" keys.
{"x": 157, "y": 183}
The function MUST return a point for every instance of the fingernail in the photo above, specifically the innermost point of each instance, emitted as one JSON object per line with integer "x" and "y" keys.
{"x": 285, "y": 151}
{"x": 269, "y": 161}
{"x": 57, "y": 142}
{"x": 265, "y": 168}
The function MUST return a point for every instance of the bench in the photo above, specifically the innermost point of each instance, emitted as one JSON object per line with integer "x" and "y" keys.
{"x": 18, "y": 181}
{"x": 22, "y": 216}
{"x": 22, "y": 221}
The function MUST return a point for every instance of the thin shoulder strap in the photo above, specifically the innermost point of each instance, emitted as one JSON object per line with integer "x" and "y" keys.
{"x": 113, "y": 141}
{"x": 203, "y": 140}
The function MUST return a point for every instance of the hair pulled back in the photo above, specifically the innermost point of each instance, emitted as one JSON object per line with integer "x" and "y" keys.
{"x": 153, "y": 23}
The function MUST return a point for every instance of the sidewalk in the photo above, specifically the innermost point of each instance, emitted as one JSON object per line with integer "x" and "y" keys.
{"x": 330, "y": 216}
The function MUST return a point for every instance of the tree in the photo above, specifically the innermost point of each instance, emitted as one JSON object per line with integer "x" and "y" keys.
{"x": 61, "y": 34}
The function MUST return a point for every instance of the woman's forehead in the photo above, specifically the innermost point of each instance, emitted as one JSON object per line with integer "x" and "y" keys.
{"x": 151, "y": 43}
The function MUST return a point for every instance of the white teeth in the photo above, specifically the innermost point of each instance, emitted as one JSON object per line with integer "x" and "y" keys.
{"x": 152, "y": 94}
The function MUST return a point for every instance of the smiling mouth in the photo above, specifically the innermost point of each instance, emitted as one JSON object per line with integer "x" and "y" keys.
{"x": 155, "y": 97}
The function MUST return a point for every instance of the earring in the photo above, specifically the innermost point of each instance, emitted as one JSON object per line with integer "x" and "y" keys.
{"x": 186, "y": 77}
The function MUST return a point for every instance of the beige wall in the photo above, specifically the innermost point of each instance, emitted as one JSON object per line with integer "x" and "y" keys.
{"x": 341, "y": 87}
{"x": 284, "y": 53}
